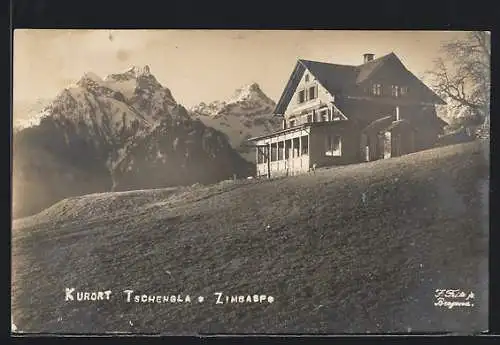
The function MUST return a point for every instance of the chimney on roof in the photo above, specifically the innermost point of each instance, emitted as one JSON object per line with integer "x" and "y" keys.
{"x": 367, "y": 57}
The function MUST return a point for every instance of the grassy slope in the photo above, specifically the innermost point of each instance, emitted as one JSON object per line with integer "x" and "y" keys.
{"x": 333, "y": 263}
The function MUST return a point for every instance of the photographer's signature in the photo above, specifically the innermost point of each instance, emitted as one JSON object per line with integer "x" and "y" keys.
{"x": 451, "y": 298}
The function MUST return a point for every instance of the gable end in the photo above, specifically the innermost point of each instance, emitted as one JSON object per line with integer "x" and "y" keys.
{"x": 289, "y": 90}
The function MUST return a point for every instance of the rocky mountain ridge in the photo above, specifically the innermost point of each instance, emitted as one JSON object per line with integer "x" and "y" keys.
{"x": 121, "y": 132}
{"x": 247, "y": 113}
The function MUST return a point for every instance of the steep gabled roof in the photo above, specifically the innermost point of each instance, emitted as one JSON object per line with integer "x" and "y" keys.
{"x": 365, "y": 70}
{"x": 335, "y": 78}
{"x": 332, "y": 77}
{"x": 290, "y": 87}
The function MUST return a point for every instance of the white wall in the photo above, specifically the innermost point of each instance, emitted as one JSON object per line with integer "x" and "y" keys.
{"x": 296, "y": 165}
{"x": 324, "y": 96}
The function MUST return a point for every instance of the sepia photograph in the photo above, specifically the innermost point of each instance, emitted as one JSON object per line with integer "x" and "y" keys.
{"x": 201, "y": 182}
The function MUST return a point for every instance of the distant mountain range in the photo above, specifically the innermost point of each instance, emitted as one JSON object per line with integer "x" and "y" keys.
{"x": 246, "y": 114}
{"x": 126, "y": 131}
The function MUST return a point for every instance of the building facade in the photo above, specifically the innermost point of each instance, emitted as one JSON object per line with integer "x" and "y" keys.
{"x": 340, "y": 114}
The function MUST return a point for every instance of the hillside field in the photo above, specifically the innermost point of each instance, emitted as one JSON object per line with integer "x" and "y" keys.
{"x": 358, "y": 248}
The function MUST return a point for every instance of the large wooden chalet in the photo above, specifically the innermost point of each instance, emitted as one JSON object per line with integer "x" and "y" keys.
{"x": 340, "y": 114}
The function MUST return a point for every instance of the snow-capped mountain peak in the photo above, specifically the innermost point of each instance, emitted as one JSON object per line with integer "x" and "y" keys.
{"x": 118, "y": 133}
{"x": 90, "y": 81}
{"x": 250, "y": 91}
{"x": 92, "y": 76}
{"x": 120, "y": 99}
{"x": 133, "y": 72}
{"x": 140, "y": 70}
{"x": 246, "y": 100}
{"x": 247, "y": 113}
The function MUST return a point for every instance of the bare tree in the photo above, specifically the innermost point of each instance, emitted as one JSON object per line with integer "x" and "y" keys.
{"x": 462, "y": 77}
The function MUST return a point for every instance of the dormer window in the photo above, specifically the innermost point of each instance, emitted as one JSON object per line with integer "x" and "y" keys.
{"x": 377, "y": 89}
{"x": 292, "y": 123}
{"x": 403, "y": 90}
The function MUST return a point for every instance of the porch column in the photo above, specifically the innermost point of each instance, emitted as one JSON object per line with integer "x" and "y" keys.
{"x": 300, "y": 145}
{"x": 309, "y": 144}
{"x": 291, "y": 147}
{"x": 269, "y": 160}
{"x": 284, "y": 149}
{"x": 285, "y": 161}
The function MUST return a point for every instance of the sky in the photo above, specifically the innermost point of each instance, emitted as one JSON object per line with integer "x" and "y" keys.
{"x": 203, "y": 65}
